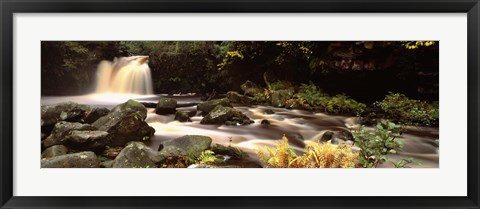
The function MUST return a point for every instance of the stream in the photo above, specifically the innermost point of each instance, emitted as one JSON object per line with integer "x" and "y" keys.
{"x": 299, "y": 126}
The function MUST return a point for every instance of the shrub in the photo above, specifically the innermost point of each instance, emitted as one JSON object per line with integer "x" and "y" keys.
{"x": 343, "y": 104}
{"x": 375, "y": 145}
{"x": 317, "y": 155}
{"x": 401, "y": 109}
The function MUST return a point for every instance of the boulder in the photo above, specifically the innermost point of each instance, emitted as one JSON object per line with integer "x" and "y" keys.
{"x": 134, "y": 155}
{"x": 230, "y": 151}
{"x": 54, "y": 151}
{"x": 75, "y": 160}
{"x": 182, "y": 116}
{"x": 125, "y": 123}
{"x": 67, "y": 111}
{"x": 327, "y": 135}
{"x": 166, "y": 106}
{"x": 250, "y": 88}
{"x": 208, "y": 106}
{"x": 95, "y": 114}
{"x": 265, "y": 122}
{"x": 225, "y": 115}
{"x": 188, "y": 145}
{"x": 268, "y": 112}
{"x": 63, "y": 129}
{"x": 345, "y": 135}
{"x": 280, "y": 97}
{"x": 86, "y": 140}
{"x": 235, "y": 97}
{"x": 111, "y": 152}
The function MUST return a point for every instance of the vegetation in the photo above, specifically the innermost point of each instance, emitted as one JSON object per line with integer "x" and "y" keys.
{"x": 317, "y": 155}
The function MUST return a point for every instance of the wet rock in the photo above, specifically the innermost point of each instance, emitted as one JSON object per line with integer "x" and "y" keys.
{"x": 106, "y": 164}
{"x": 327, "y": 135}
{"x": 166, "y": 106}
{"x": 192, "y": 113}
{"x": 134, "y": 155}
{"x": 95, "y": 114}
{"x": 235, "y": 97}
{"x": 268, "y": 112}
{"x": 265, "y": 122}
{"x": 75, "y": 160}
{"x": 86, "y": 140}
{"x": 149, "y": 104}
{"x": 250, "y": 88}
{"x": 230, "y": 151}
{"x": 182, "y": 116}
{"x": 125, "y": 123}
{"x": 188, "y": 145}
{"x": 67, "y": 111}
{"x": 63, "y": 129}
{"x": 225, "y": 115}
{"x": 208, "y": 106}
{"x": 344, "y": 135}
{"x": 280, "y": 97}
{"x": 54, "y": 151}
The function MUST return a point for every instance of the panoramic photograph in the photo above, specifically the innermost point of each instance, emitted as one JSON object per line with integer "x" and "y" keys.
{"x": 240, "y": 104}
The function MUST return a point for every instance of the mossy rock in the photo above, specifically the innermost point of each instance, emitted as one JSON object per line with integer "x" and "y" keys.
{"x": 250, "y": 88}
{"x": 75, "y": 160}
{"x": 235, "y": 97}
{"x": 95, "y": 114}
{"x": 233, "y": 152}
{"x": 134, "y": 155}
{"x": 166, "y": 106}
{"x": 225, "y": 115}
{"x": 66, "y": 111}
{"x": 62, "y": 129}
{"x": 208, "y": 106}
{"x": 280, "y": 97}
{"x": 54, "y": 151}
{"x": 183, "y": 116}
{"x": 189, "y": 145}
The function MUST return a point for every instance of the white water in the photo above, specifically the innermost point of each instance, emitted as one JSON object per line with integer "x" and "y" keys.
{"x": 125, "y": 75}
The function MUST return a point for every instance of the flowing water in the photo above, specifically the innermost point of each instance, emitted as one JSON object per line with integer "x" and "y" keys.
{"x": 298, "y": 125}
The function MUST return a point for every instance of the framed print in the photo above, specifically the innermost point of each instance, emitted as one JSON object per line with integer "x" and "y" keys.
{"x": 266, "y": 104}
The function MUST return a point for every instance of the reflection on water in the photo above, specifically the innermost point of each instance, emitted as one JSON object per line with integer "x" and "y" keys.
{"x": 298, "y": 125}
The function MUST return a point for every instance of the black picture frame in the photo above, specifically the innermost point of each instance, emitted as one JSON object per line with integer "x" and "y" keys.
{"x": 9, "y": 7}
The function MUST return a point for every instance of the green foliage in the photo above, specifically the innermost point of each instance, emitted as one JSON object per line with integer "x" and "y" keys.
{"x": 417, "y": 44}
{"x": 401, "y": 109}
{"x": 280, "y": 85}
{"x": 375, "y": 145}
{"x": 404, "y": 163}
{"x": 207, "y": 157}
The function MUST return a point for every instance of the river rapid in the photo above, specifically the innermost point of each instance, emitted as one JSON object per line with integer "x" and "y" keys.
{"x": 299, "y": 126}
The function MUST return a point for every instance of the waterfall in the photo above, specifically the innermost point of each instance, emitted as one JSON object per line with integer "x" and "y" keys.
{"x": 125, "y": 75}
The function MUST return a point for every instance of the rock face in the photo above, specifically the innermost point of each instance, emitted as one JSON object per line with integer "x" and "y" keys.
{"x": 182, "y": 116}
{"x": 134, "y": 155}
{"x": 166, "y": 106}
{"x": 225, "y": 115}
{"x": 54, "y": 151}
{"x": 76, "y": 160}
{"x": 250, "y": 88}
{"x": 95, "y": 114}
{"x": 67, "y": 111}
{"x": 235, "y": 97}
{"x": 188, "y": 145}
{"x": 280, "y": 97}
{"x": 61, "y": 130}
{"x": 125, "y": 123}
{"x": 208, "y": 106}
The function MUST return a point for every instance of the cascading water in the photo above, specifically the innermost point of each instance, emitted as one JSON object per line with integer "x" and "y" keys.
{"x": 125, "y": 75}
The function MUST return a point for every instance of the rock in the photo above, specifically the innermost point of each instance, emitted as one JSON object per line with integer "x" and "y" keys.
{"x": 265, "y": 122}
{"x": 225, "y": 115}
{"x": 182, "y": 116}
{"x": 61, "y": 130}
{"x": 86, "y": 140}
{"x": 166, "y": 106}
{"x": 134, "y": 155}
{"x": 106, "y": 164}
{"x": 54, "y": 151}
{"x": 188, "y": 145}
{"x": 95, "y": 114}
{"x": 125, "y": 123}
{"x": 192, "y": 113}
{"x": 67, "y": 111}
{"x": 75, "y": 160}
{"x": 233, "y": 152}
{"x": 149, "y": 104}
{"x": 296, "y": 104}
{"x": 208, "y": 106}
{"x": 111, "y": 152}
{"x": 268, "y": 112}
{"x": 327, "y": 135}
{"x": 344, "y": 134}
{"x": 235, "y": 97}
{"x": 280, "y": 97}
{"x": 250, "y": 88}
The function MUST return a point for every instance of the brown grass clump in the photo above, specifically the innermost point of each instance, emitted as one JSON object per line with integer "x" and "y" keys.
{"x": 317, "y": 155}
